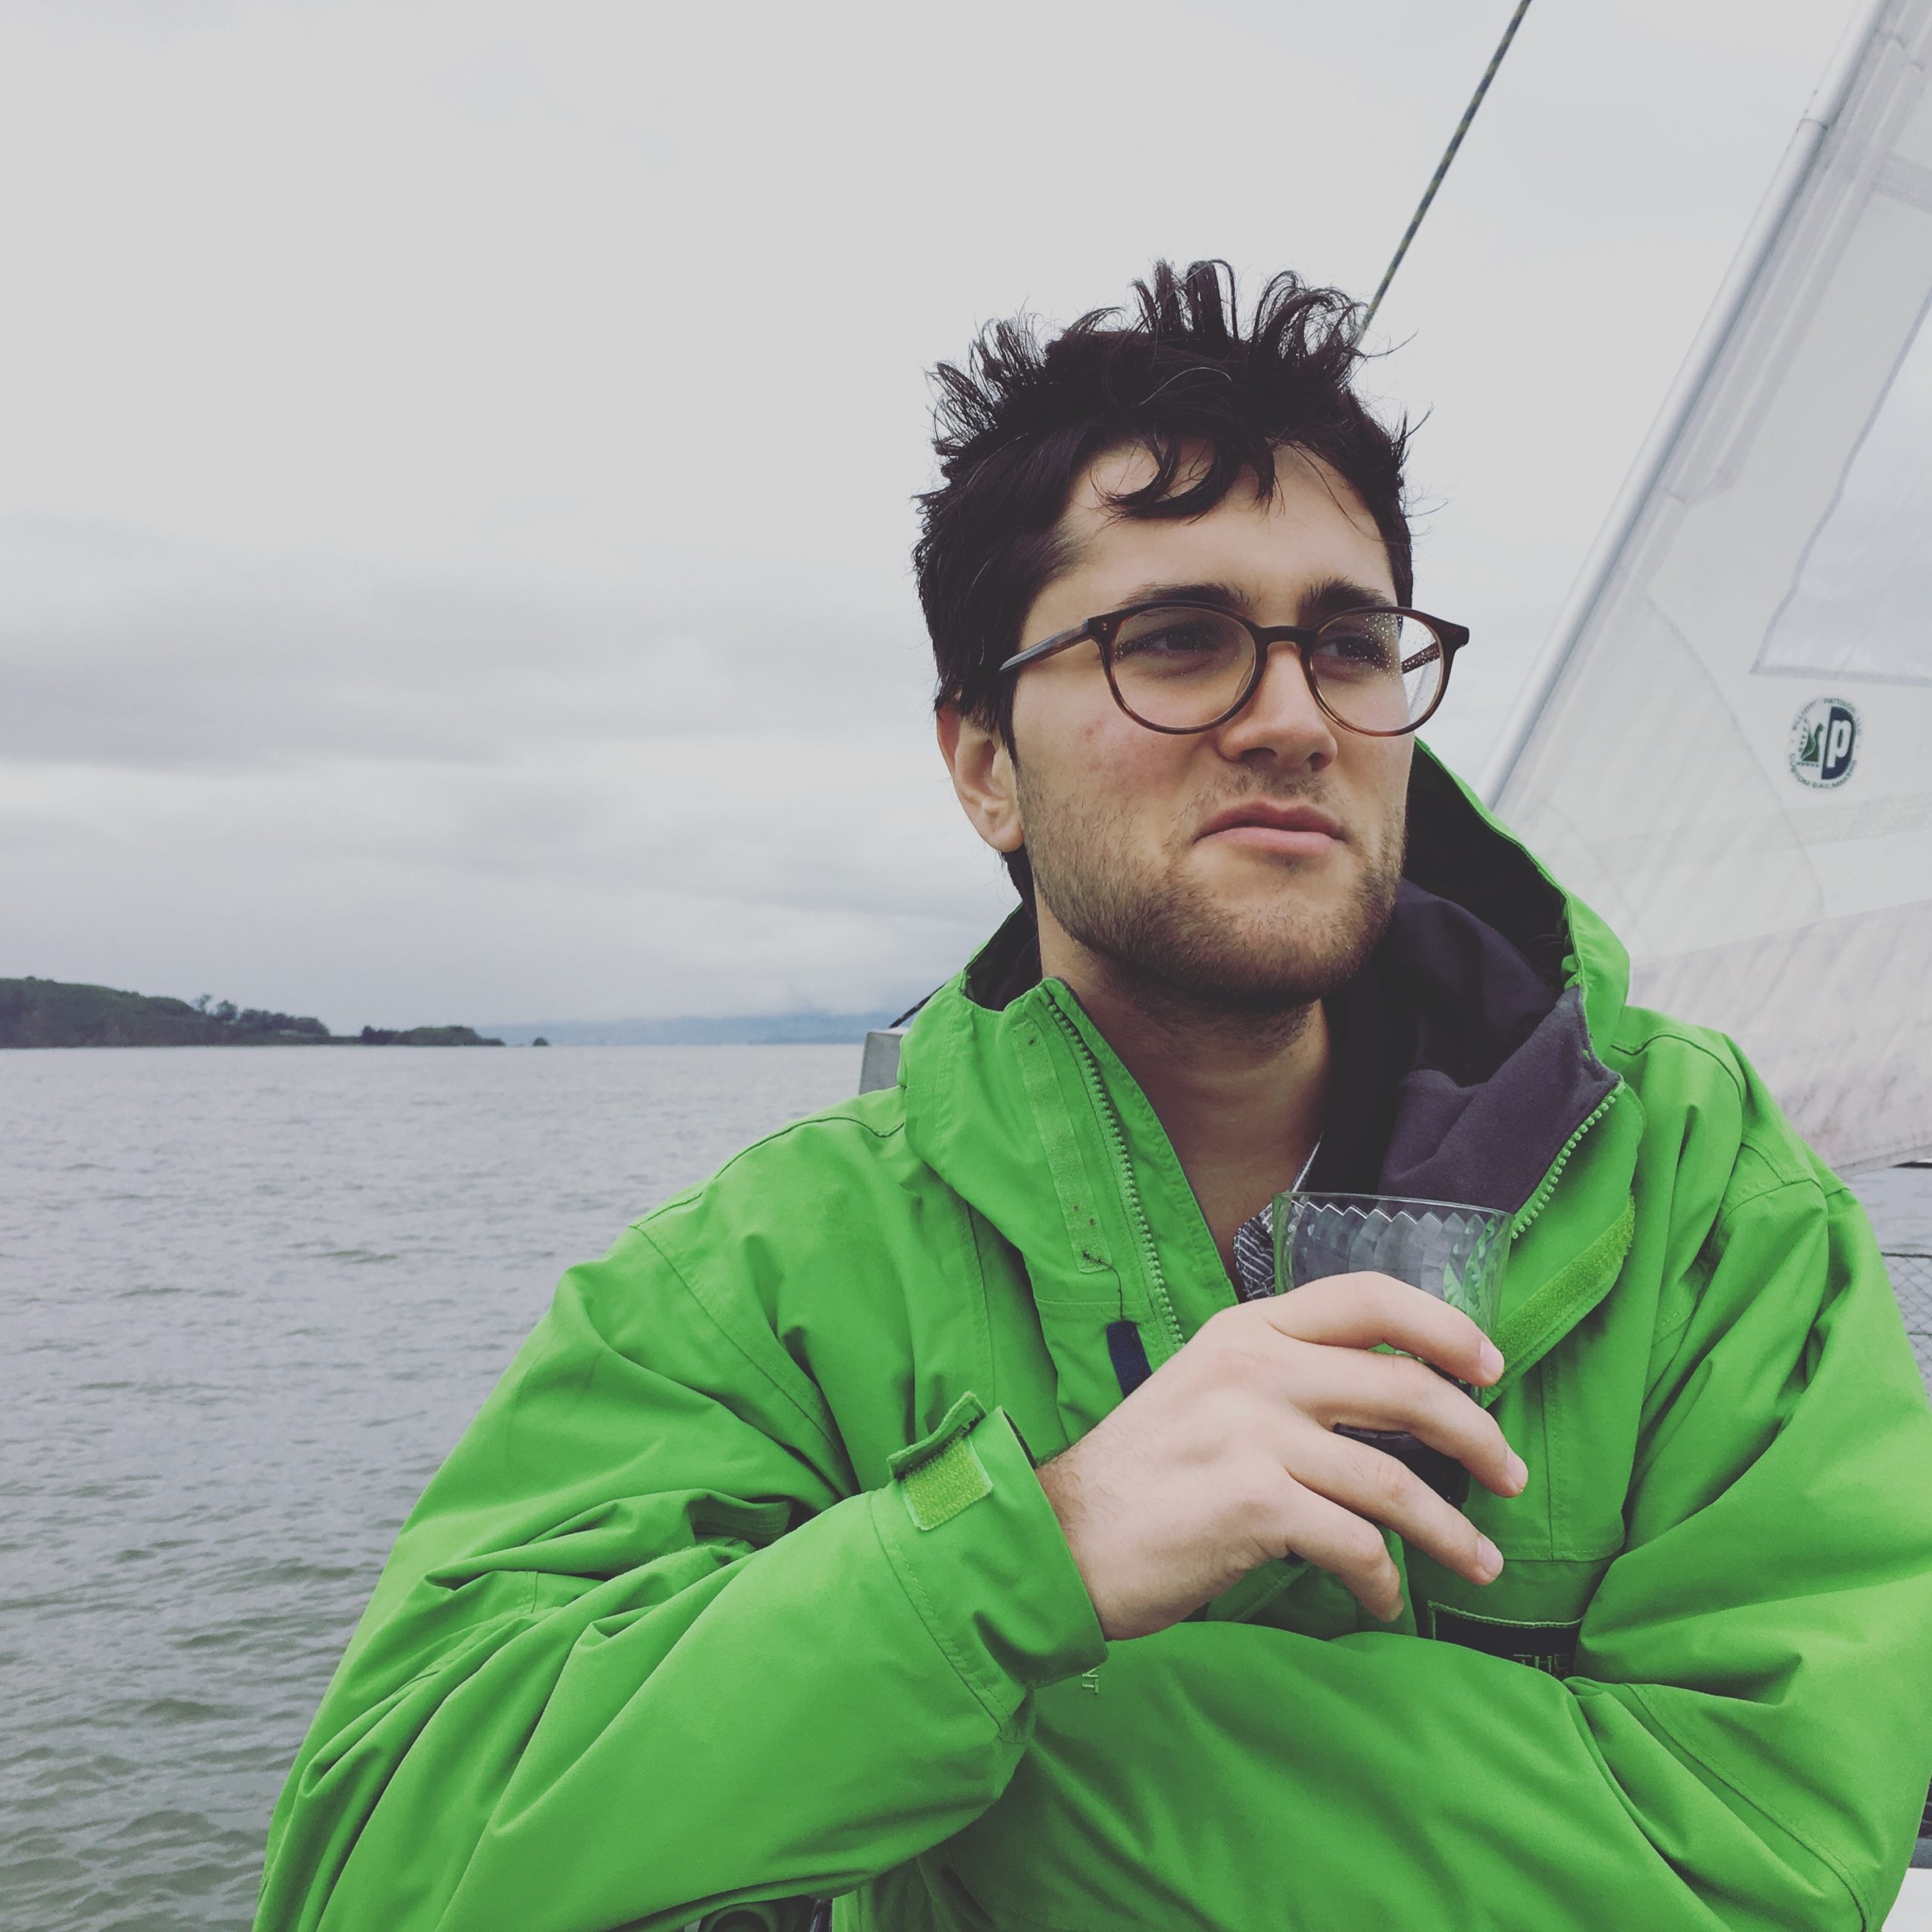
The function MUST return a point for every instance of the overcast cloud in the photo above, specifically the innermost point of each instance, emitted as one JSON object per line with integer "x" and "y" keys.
{"x": 456, "y": 458}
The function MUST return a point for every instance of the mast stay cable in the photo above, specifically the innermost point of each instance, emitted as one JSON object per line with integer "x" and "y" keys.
{"x": 1442, "y": 166}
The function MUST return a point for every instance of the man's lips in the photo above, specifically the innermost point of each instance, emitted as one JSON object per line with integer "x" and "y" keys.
{"x": 1292, "y": 830}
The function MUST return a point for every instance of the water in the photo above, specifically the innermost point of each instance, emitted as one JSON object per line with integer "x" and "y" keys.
{"x": 248, "y": 1301}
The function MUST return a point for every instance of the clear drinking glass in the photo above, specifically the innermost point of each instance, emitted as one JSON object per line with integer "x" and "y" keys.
{"x": 1446, "y": 1248}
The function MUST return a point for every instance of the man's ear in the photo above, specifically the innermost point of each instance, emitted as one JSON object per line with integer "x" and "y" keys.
{"x": 982, "y": 777}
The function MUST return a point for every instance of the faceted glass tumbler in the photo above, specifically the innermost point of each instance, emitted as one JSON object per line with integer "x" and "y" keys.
{"x": 1446, "y": 1248}
{"x": 1454, "y": 1252}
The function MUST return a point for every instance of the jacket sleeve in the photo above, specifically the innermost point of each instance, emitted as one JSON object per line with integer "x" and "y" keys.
{"x": 643, "y": 1650}
{"x": 1747, "y": 1740}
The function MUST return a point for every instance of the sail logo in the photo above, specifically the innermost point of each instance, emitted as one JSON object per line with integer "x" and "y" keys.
{"x": 1824, "y": 742}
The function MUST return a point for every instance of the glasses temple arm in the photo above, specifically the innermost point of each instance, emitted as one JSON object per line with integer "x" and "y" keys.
{"x": 1034, "y": 652}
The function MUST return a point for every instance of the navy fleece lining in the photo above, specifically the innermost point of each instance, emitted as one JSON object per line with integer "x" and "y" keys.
{"x": 1458, "y": 1070}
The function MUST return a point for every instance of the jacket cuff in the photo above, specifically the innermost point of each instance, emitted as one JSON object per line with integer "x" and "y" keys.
{"x": 976, "y": 1544}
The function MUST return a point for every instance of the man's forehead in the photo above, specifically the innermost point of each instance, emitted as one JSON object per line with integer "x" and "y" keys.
{"x": 1314, "y": 521}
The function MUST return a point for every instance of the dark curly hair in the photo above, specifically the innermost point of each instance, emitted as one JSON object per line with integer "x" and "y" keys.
{"x": 1016, "y": 426}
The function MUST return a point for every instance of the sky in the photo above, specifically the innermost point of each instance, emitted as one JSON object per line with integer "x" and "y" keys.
{"x": 457, "y": 457}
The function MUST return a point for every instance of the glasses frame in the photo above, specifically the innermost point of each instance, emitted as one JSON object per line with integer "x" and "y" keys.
{"x": 1102, "y": 630}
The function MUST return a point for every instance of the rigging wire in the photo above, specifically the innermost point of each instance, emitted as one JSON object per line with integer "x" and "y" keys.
{"x": 1442, "y": 166}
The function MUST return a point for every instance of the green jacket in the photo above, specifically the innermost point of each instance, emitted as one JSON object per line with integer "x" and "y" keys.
{"x": 741, "y": 1588}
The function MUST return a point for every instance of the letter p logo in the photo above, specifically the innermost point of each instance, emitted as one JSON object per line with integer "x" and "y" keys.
{"x": 1840, "y": 733}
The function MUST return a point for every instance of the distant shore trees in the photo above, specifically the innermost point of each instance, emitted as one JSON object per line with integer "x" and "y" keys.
{"x": 258, "y": 1020}
{"x": 56, "y": 1013}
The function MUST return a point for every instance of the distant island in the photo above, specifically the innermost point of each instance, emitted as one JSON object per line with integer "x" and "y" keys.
{"x": 59, "y": 1013}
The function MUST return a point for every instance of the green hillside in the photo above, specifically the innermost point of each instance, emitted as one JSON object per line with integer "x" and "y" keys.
{"x": 57, "y": 1013}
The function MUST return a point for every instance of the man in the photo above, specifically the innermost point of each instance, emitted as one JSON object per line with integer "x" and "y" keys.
{"x": 938, "y": 1510}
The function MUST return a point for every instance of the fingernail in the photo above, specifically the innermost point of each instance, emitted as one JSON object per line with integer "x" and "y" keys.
{"x": 1489, "y": 1559}
{"x": 1492, "y": 1360}
{"x": 1519, "y": 1470}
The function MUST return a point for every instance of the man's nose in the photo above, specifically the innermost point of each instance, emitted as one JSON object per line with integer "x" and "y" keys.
{"x": 1282, "y": 720}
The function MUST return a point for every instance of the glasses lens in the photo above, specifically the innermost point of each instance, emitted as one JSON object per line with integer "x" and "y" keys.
{"x": 1378, "y": 670}
{"x": 1180, "y": 667}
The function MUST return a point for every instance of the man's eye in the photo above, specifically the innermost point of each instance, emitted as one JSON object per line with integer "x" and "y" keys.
{"x": 1355, "y": 650}
{"x": 1171, "y": 641}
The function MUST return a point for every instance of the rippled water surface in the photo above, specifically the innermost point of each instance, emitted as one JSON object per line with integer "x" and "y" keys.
{"x": 248, "y": 1301}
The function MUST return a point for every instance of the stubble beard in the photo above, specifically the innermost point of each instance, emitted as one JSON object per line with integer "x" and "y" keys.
{"x": 1164, "y": 944}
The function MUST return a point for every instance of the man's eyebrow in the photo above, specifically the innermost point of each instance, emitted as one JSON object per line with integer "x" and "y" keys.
{"x": 1222, "y": 596}
{"x": 1340, "y": 593}
{"x": 1320, "y": 600}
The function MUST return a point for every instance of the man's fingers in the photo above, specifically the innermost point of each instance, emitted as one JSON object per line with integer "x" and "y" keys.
{"x": 1339, "y": 1376}
{"x": 1364, "y": 1311}
{"x": 1347, "y": 1546}
{"x": 1372, "y": 1485}
{"x": 1368, "y": 1391}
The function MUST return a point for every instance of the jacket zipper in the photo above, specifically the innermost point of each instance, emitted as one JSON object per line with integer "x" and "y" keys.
{"x": 1535, "y": 1206}
{"x": 1117, "y": 1142}
{"x": 1123, "y": 1168}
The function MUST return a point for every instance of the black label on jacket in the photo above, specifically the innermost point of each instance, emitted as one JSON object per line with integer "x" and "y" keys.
{"x": 1550, "y": 1647}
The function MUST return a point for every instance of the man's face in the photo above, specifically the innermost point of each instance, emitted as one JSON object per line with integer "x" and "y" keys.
{"x": 1135, "y": 879}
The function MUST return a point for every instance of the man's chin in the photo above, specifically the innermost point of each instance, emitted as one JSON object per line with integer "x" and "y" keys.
{"x": 1280, "y": 981}
{"x": 1288, "y": 914}
{"x": 1249, "y": 952}
{"x": 1223, "y": 963}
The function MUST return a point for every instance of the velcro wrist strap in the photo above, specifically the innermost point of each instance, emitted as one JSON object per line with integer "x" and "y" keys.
{"x": 941, "y": 1474}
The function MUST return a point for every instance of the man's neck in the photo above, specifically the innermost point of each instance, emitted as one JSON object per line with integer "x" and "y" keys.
{"x": 1242, "y": 1095}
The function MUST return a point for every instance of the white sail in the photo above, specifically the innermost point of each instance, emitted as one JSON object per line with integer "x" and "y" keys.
{"x": 1728, "y": 750}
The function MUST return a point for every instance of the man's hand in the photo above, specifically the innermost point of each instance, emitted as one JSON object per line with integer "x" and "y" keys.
{"x": 1224, "y": 1456}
